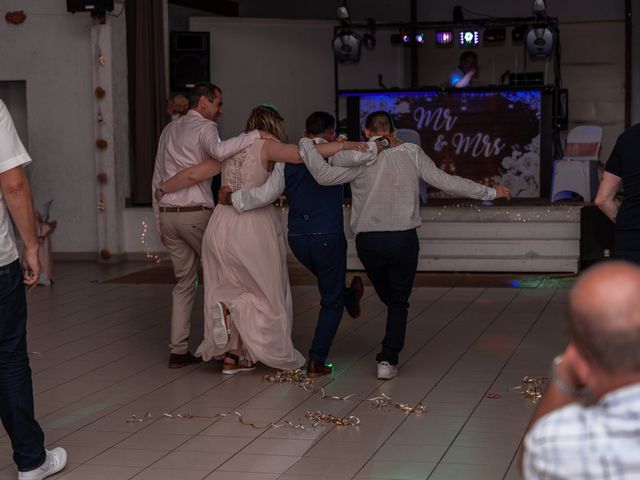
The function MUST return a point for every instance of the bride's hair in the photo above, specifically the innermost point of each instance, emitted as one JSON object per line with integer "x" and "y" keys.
{"x": 267, "y": 118}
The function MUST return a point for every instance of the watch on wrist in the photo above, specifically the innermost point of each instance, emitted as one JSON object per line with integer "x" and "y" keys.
{"x": 384, "y": 141}
{"x": 227, "y": 199}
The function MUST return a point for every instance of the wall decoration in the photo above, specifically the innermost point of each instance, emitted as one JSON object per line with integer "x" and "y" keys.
{"x": 16, "y": 17}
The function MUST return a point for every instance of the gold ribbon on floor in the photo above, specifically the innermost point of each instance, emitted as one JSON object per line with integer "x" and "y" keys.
{"x": 134, "y": 419}
{"x": 384, "y": 401}
{"x": 380, "y": 402}
{"x": 316, "y": 417}
{"x": 531, "y": 388}
{"x": 295, "y": 377}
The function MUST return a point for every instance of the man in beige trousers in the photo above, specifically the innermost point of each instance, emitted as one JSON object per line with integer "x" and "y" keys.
{"x": 182, "y": 216}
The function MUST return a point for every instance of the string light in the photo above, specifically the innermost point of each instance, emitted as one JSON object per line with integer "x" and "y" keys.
{"x": 569, "y": 213}
{"x": 147, "y": 249}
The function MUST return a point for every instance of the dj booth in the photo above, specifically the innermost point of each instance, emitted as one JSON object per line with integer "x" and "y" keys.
{"x": 495, "y": 136}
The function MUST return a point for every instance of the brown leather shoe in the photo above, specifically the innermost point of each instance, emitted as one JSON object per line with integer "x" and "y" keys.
{"x": 315, "y": 369}
{"x": 179, "y": 360}
{"x": 358, "y": 287}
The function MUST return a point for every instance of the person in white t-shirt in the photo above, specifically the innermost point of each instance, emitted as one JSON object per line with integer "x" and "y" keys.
{"x": 16, "y": 392}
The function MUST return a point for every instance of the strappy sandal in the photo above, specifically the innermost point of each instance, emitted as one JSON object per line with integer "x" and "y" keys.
{"x": 236, "y": 366}
{"x": 219, "y": 314}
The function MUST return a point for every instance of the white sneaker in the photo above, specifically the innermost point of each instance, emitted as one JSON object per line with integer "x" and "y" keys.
{"x": 55, "y": 461}
{"x": 386, "y": 371}
{"x": 220, "y": 328}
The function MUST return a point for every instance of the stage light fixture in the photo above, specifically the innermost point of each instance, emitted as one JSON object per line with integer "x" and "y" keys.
{"x": 346, "y": 47}
{"x": 540, "y": 40}
{"x": 343, "y": 13}
{"x": 369, "y": 38}
{"x": 369, "y": 41}
{"x": 518, "y": 33}
{"x": 469, "y": 38}
{"x": 539, "y": 7}
{"x": 406, "y": 39}
{"x": 444, "y": 37}
{"x": 494, "y": 34}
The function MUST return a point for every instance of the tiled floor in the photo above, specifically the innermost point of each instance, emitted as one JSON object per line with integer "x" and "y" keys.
{"x": 99, "y": 355}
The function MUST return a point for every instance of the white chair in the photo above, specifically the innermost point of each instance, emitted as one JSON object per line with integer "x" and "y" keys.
{"x": 577, "y": 171}
{"x": 409, "y": 135}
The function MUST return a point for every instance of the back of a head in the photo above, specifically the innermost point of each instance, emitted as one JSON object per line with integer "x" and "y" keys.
{"x": 267, "y": 118}
{"x": 202, "y": 89}
{"x": 320, "y": 122}
{"x": 379, "y": 122}
{"x": 604, "y": 316}
{"x": 468, "y": 56}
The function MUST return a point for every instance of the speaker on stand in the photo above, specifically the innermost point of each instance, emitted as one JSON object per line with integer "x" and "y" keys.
{"x": 189, "y": 60}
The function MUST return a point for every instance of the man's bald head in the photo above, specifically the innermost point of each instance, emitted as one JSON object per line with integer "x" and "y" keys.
{"x": 604, "y": 316}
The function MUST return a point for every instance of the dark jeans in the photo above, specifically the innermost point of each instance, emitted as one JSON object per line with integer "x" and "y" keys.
{"x": 16, "y": 393}
{"x": 326, "y": 257}
{"x": 390, "y": 260}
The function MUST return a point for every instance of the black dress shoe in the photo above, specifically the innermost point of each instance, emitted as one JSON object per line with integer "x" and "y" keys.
{"x": 179, "y": 360}
{"x": 358, "y": 287}
{"x": 316, "y": 369}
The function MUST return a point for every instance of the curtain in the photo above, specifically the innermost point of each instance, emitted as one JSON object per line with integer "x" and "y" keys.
{"x": 147, "y": 91}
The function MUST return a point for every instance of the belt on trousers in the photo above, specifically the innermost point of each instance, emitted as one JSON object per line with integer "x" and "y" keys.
{"x": 185, "y": 209}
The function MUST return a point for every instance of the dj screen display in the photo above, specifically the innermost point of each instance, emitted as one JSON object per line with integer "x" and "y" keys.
{"x": 492, "y": 137}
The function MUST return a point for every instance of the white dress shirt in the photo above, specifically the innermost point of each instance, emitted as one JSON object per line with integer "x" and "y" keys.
{"x": 184, "y": 143}
{"x": 269, "y": 192}
{"x": 385, "y": 194}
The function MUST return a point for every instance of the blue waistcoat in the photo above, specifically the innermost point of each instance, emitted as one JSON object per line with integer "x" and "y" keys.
{"x": 313, "y": 208}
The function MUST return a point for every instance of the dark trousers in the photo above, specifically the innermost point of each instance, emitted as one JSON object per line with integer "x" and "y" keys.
{"x": 326, "y": 257}
{"x": 627, "y": 246}
{"x": 390, "y": 260}
{"x": 16, "y": 392}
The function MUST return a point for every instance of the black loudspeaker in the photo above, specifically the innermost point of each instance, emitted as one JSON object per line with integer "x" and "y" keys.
{"x": 188, "y": 60}
{"x": 597, "y": 236}
{"x": 540, "y": 41}
{"x": 346, "y": 47}
{"x": 97, "y": 6}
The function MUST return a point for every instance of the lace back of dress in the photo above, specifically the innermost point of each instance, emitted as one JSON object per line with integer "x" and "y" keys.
{"x": 233, "y": 169}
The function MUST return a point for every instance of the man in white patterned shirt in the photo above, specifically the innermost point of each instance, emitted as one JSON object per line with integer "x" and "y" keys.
{"x": 385, "y": 214}
{"x": 588, "y": 423}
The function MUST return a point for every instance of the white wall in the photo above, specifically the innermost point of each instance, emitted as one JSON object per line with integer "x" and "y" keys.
{"x": 52, "y": 52}
{"x": 286, "y": 63}
{"x": 280, "y": 62}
